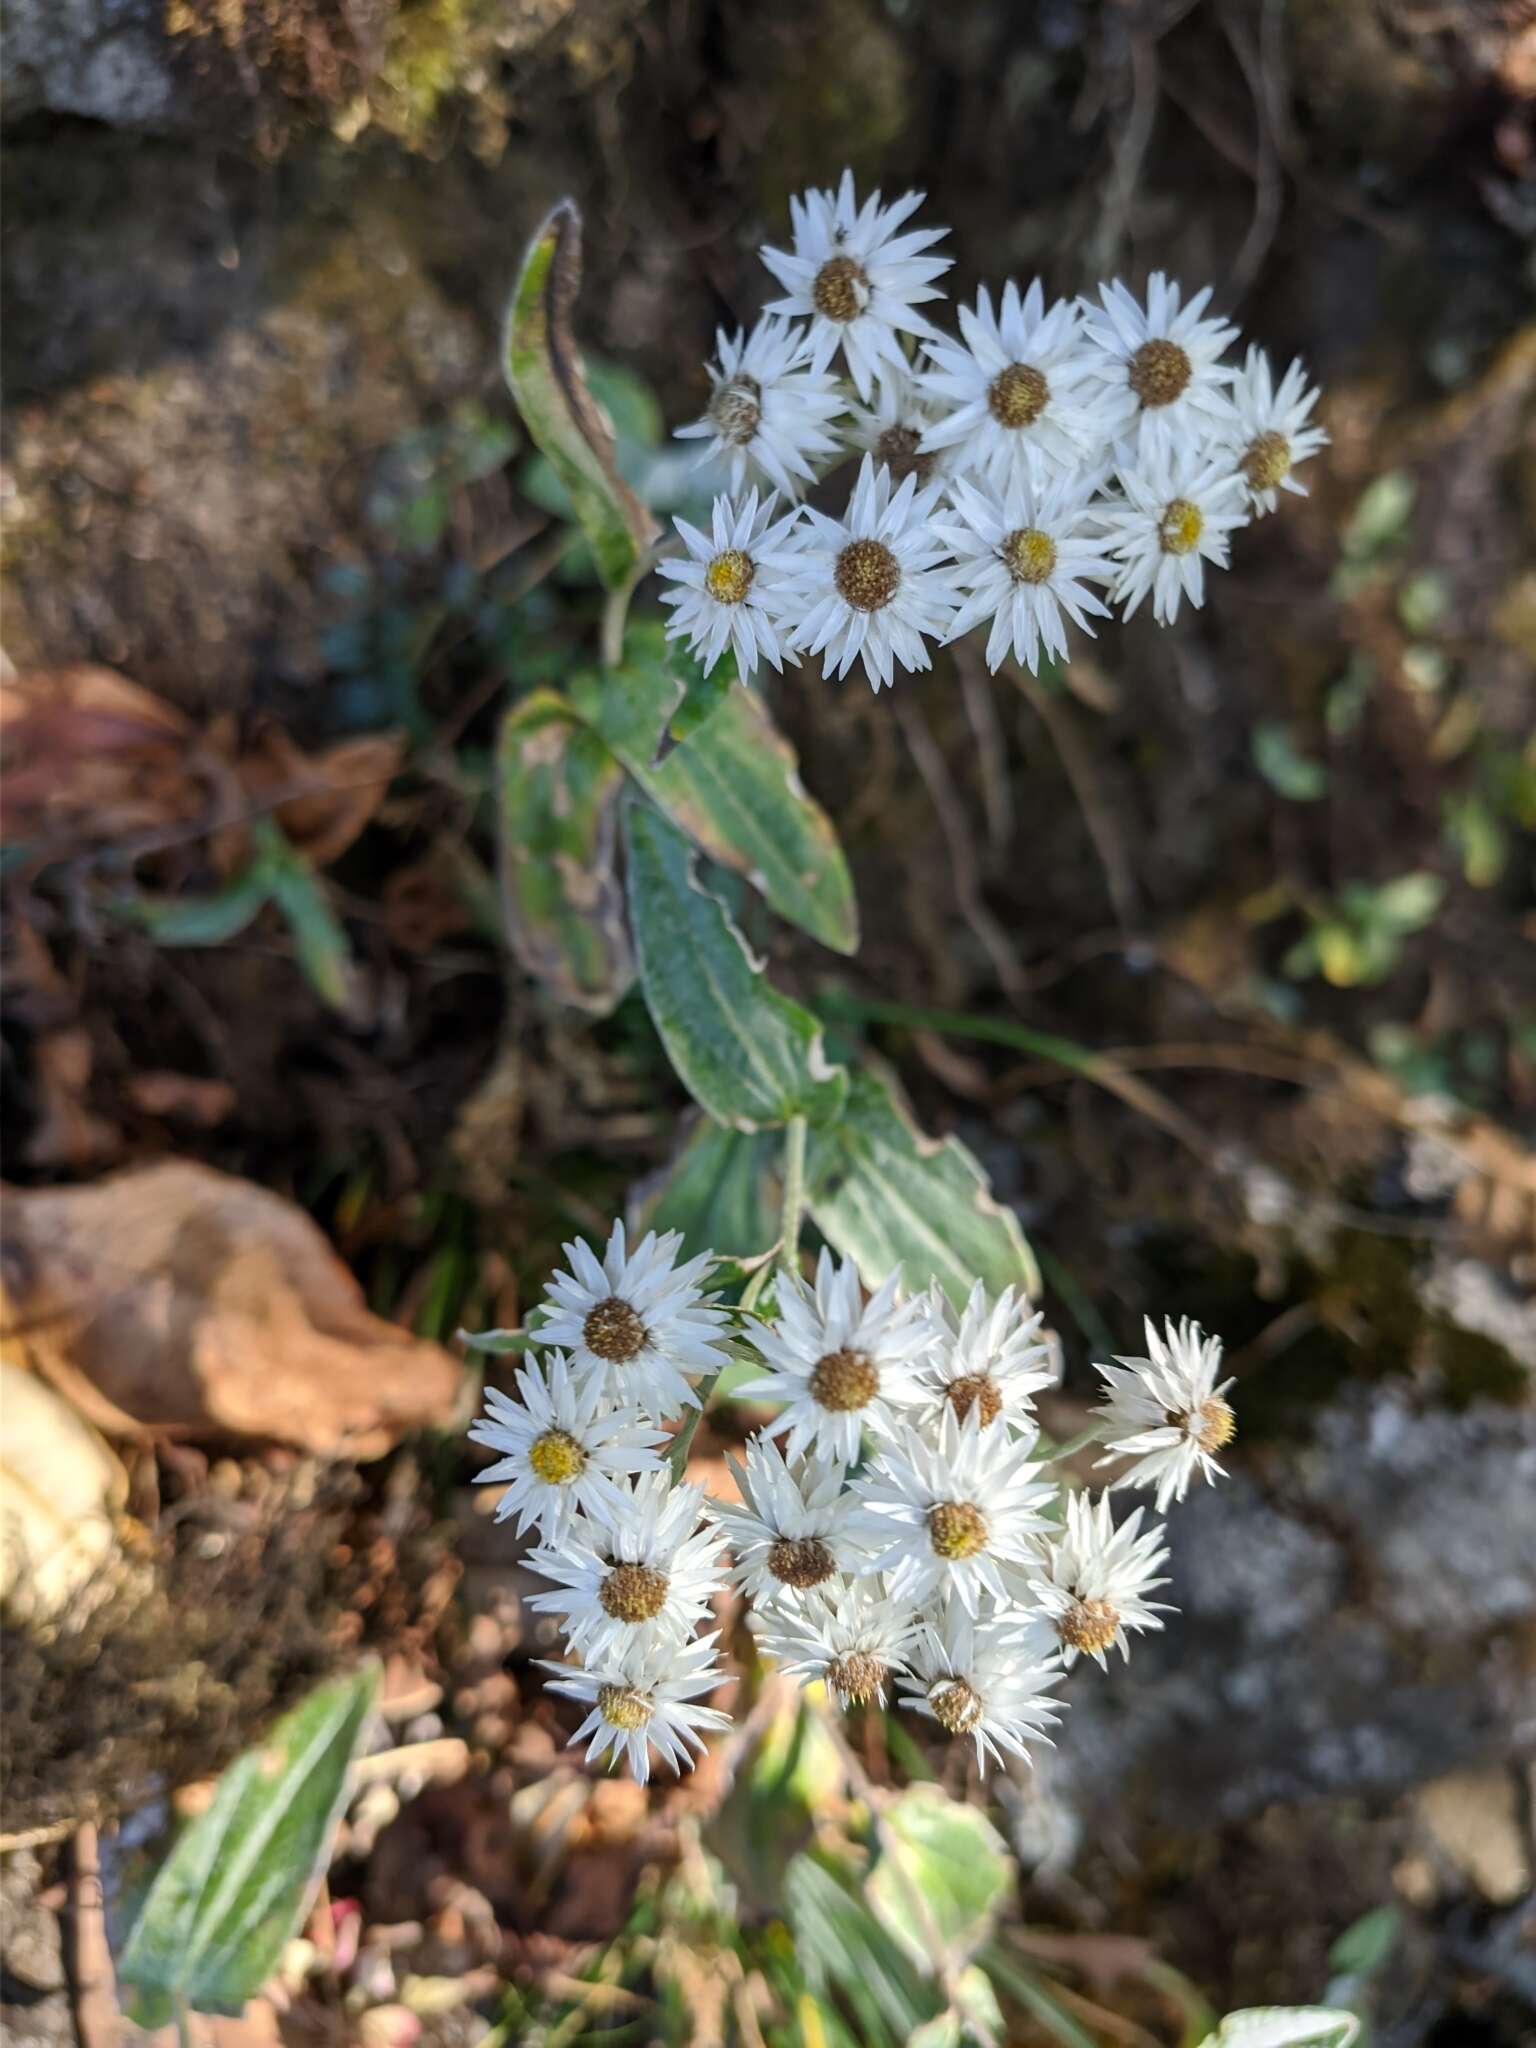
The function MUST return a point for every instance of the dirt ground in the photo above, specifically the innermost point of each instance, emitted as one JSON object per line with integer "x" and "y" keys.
{"x": 259, "y": 460}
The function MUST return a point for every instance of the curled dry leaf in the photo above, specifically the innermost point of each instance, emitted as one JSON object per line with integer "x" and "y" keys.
{"x": 327, "y": 798}
{"x": 178, "y": 1299}
{"x": 87, "y": 751}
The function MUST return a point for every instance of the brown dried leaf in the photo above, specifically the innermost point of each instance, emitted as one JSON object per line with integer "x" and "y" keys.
{"x": 177, "y": 1299}
{"x": 87, "y": 750}
{"x": 328, "y": 798}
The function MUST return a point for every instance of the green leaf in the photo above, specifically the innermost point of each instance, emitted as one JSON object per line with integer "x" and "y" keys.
{"x": 1408, "y": 902}
{"x": 746, "y": 1054}
{"x": 235, "y": 1886}
{"x": 558, "y": 792}
{"x": 1284, "y": 769}
{"x": 728, "y": 777}
{"x": 319, "y": 940}
{"x": 884, "y": 1195}
{"x": 1286, "y": 2026}
{"x": 842, "y": 1947}
{"x": 953, "y": 1858}
{"x": 719, "y": 1190}
{"x": 202, "y": 920}
{"x": 497, "y": 1342}
{"x": 545, "y": 373}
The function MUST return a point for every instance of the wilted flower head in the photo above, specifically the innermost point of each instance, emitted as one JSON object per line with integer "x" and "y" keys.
{"x": 1166, "y": 1412}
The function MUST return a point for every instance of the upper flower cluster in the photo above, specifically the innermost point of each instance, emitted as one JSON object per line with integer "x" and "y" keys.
{"x": 899, "y": 1525}
{"x": 1050, "y": 447}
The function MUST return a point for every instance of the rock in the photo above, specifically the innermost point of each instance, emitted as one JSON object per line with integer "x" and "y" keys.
{"x": 106, "y": 59}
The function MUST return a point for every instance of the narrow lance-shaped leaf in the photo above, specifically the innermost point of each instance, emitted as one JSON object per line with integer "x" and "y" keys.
{"x": 706, "y": 750}
{"x": 558, "y": 791}
{"x": 234, "y": 1888}
{"x": 544, "y": 371}
{"x": 884, "y": 1195}
{"x": 745, "y": 1053}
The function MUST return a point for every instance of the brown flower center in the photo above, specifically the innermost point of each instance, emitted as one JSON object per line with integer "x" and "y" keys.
{"x": 556, "y": 1457}
{"x": 975, "y": 1390}
{"x": 736, "y": 410}
{"x": 841, "y": 289}
{"x": 957, "y": 1706}
{"x": 956, "y": 1530}
{"x": 858, "y": 1675}
{"x": 1266, "y": 461}
{"x": 867, "y": 575}
{"x": 633, "y": 1592}
{"x": 1029, "y": 555}
{"x": 845, "y": 1380}
{"x": 1160, "y": 372}
{"x": 1017, "y": 396}
{"x": 624, "y": 1706}
{"x": 1089, "y": 1625}
{"x": 729, "y": 576}
{"x": 614, "y": 1331}
{"x": 800, "y": 1561}
{"x": 1180, "y": 527}
{"x": 897, "y": 448}
{"x": 1211, "y": 1425}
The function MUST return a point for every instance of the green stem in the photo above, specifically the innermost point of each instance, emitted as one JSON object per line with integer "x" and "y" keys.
{"x": 615, "y": 613}
{"x": 794, "y": 1194}
{"x": 1064, "y": 1052}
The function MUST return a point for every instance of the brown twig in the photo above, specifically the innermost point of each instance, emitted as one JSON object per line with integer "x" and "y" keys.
{"x": 93, "y": 1983}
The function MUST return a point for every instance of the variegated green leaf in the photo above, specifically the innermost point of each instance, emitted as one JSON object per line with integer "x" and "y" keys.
{"x": 558, "y": 790}
{"x": 544, "y": 370}
{"x": 719, "y": 1190}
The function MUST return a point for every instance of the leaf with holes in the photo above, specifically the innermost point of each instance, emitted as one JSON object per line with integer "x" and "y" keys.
{"x": 706, "y": 750}
{"x": 235, "y": 1886}
{"x": 558, "y": 791}
{"x": 545, "y": 373}
{"x": 745, "y": 1053}
{"x": 884, "y": 1195}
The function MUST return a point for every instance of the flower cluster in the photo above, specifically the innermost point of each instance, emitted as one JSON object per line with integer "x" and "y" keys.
{"x": 1050, "y": 448}
{"x": 899, "y": 1530}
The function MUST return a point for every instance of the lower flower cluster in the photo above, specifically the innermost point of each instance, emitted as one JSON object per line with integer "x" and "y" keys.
{"x": 902, "y": 1528}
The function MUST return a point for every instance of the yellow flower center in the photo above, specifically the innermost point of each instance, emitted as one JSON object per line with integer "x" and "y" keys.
{"x": 736, "y": 410}
{"x": 800, "y": 1561}
{"x": 1266, "y": 461}
{"x": 1089, "y": 1625}
{"x": 614, "y": 1331}
{"x": 556, "y": 1457}
{"x": 858, "y": 1675}
{"x": 841, "y": 289}
{"x": 975, "y": 1390}
{"x": 844, "y": 1381}
{"x": 624, "y": 1706}
{"x": 633, "y": 1592}
{"x": 956, "y": 1530}
{"x": 1212, "y": 1425}
{"x": 1180, "y": 527}
{"x": 1029, "y": 555}
{"x": 867, "y": 575}
{"x": 957, "y": 1706}
{"x": 729, "y": 576}
{"x": 1160, "y": 372}
{"x": 1017, "y": 396}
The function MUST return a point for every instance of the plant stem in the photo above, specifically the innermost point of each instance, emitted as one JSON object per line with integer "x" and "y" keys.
{"x": 794, "y": 1193}
{"x": 615, "y": 612}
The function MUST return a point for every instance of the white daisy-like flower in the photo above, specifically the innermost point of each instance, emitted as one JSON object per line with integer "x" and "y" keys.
{"x": 567, "y": 1447}
{"x": 1023, "y": 395}
{"x": 727, "y": 585}
{"x": 769, "y": 408}
{"x": 646, "y": 1698}
{"x": 636, "y": 1324}
{"x": 1178, "y": 514}
{"x": 1166, "y": 1411}
{"x": 795, "y": 1526}
{"x": 838, "y": 1365}
{"x": 1095, "y": 1579}
{"x": 1272, "y": 429}
{"x": 948, "y": 1517}
{"x": 1024, "y": 558}
{"x": 869, "y": 586}
{"x": 851, "y": 1634}
{"x": 993, "y": 1360}
{"x": 1160, "y": 365}
{"x": 856, "y": 279}
{"x": 890, "y": 429}
{"x": 986, "y": 1679}
{"x": 646, "y": 1565}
